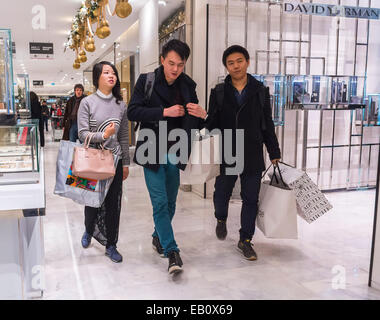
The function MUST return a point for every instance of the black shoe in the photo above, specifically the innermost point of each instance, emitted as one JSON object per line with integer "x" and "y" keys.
{"x": 157, "y": 246}
{"x": 175, "y": 262}
{"x": 247, "y": 250}
{"x": 221, "y": 229}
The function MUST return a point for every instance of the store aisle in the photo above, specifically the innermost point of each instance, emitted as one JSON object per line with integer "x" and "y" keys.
{"x": 213, "y": 269}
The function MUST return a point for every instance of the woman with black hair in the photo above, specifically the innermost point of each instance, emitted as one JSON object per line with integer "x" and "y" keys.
{"x": 36, "y": 113}
{"x": 105, "y": 114}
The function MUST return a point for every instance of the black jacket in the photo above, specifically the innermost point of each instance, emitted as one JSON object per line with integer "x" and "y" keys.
{"x": 249, "y": 117}
{"x": 149, "y": 113}
{"x": 66, "y": 118}
{"x": 36, "y": 110}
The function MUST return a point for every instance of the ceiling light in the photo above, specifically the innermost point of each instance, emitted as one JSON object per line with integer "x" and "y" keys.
{"x": 162, "y": 2}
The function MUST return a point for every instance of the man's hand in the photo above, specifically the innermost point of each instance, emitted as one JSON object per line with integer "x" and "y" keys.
{"x": 125, "y": 173}
{"x": 110, "y": 130}
{"x": 174, "y": 111}
{"x": 196, "y": 110}
{"x": 275, "y": 161}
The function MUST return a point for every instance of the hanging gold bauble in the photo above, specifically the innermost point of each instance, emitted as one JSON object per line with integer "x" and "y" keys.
{"x": 83, "y": 59}
{"x": 90, "y": 47}
{"x": 103, "y": 31}
{"x": 76, "y": 65}
{"x": 123, "y": 9}
{"x": 77, "y": 60}
{"x": 82, "y": 53}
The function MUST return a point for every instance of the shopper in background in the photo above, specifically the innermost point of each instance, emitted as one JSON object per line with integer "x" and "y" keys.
{"x": 36, "y": 112}
{"x": 174, "y": 100}
{"x": 45, "y": 115}
{"x": 242, "y": 102}
{"x": 70, "y": 131}
{"x": 105, "y": 114}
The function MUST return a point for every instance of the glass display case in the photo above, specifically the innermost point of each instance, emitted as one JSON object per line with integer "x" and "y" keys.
{"x": 310, "y": 91}
{"x": 22, "y": 97}
{"x": 19, "y": 152}
{"x": 277, "y": 88}
{"x": 370, "y": 116}
{"x": 6, "y": 73}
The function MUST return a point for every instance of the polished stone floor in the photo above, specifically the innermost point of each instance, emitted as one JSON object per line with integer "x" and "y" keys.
{"x": 330, "y": 260}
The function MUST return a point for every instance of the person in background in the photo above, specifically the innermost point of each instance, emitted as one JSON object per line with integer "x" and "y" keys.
{"x": 36, "y": 112}
{"x": 70, "y": 131}
{"x": 45, "y": 115}
{"x": 105, "y": 114}
{"x": 242, "y": 102}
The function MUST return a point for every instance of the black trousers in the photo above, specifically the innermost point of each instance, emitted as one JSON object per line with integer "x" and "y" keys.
{"x": 106, "y": 219}
{"x": 250, "y": 188}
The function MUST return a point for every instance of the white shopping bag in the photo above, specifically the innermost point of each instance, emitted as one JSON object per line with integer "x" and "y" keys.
{"x": 311, "y": 202}
{"x": 204, "y": 161}
{"x": 63, "y": 188}
{"x": 277, "y": 212}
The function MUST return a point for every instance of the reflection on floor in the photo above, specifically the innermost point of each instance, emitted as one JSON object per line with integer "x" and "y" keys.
{"x": 330, "y": 260}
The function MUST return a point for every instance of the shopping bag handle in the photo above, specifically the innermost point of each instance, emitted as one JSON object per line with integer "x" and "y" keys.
{"x": 262, "y": 177}
{"x": 275, "y": 177}
{"x": 288, "y": 165}
{"x": 274, "y": 174}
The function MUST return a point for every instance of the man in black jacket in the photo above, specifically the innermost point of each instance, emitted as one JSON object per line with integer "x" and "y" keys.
{"x": 242, "y": 102}
{"x": 70, "y": 131}
{"x": 168, "y": 100}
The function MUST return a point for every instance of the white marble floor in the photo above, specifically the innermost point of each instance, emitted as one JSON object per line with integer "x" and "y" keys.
{"x": 286, "y": 269}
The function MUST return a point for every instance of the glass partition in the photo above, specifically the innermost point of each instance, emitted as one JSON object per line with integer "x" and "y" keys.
{"x": 6, "y": 73}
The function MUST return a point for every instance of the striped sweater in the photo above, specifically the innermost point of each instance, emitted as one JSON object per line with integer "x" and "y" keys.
{"x": 95, "y": 114}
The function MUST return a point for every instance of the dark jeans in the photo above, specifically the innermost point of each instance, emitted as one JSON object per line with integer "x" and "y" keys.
{"x": 250, "y": 188}
{"x": 42, "y": 134}
{"x": 46, "y": 122}
{"x": 73, "y": 134}
{"x": 112, "y": 209}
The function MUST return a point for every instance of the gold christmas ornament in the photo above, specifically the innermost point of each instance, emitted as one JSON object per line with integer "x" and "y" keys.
{"x": 76, "y": 65}
{"x": 90, "y": 47}
{"x": 83, "y": 59}
{"x": 103, "y": 31}
{"x": 77, "y": 60}
{"x": 123, "y": 9}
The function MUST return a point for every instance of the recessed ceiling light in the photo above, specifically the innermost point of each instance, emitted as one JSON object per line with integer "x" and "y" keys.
{"x": 162, "y": 2}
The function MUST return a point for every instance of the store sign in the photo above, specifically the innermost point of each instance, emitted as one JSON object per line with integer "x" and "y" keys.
{"x": 38, "y": 83}
{"x": 40, "y": 50}
{"x": 331, "y": 10}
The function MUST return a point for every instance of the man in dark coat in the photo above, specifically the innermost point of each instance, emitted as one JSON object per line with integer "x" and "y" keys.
{"x": 45, "y": 115}
{"x": 172, "y": 102}
{"x": 242, "y": 102}
{"x": 70, "y": 131}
